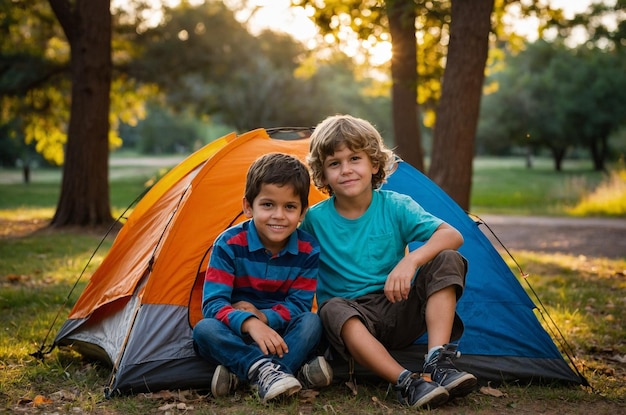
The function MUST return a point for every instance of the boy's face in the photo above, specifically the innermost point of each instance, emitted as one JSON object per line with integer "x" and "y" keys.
{"x": 349, "y": 173}
{"x": 276, "y": 211}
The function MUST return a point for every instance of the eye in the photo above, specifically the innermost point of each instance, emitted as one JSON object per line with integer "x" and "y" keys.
{"x": 333, "y": 163}
{"x": 291, "y": 207}
{"x": 266, "y": 204}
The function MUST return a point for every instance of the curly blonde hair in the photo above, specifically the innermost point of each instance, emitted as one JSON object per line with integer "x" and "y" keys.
{"x": 356, "y": 134}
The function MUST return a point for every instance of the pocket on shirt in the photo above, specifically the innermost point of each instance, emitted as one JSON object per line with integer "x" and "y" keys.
{"x": 381, "y": 255}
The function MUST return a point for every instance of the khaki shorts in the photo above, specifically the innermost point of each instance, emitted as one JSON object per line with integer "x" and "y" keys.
{"x": 397, "y": 325}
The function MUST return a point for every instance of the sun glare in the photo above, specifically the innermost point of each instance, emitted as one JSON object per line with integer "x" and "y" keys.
{"x": 278, "y": 15}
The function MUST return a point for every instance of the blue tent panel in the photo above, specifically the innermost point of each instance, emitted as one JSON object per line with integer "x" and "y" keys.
{"x": 503, "y": 339}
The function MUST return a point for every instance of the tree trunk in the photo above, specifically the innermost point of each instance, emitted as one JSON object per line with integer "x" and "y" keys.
{"x": 558, "y": 154}
{"x": 405, "y": 112}
{"x": 457, "y": 114}
{"x": 84, "y": 198}
{"x": 598, "y": 150}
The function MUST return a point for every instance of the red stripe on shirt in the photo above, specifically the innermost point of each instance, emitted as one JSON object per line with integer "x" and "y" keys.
{"x": 306, "y": 284}
{"x": 222, "y": 315}
{"x": 218, "y": 276}
{"x": 304, "y": 246}
{"x": 264, "y": 285}
{"x": 240, "y": 239}
{"x": 282, "y": 311}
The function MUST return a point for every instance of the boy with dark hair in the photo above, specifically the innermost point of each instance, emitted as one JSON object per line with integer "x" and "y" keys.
{"x": 373, "y": 295}
{"x": 259, "y": 288}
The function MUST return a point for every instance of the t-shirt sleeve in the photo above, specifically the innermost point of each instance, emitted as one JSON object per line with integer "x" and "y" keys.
{"x": 417, "y": 224}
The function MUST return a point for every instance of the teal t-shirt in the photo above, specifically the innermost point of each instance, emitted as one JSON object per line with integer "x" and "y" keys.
{"x": 358, "y": 254}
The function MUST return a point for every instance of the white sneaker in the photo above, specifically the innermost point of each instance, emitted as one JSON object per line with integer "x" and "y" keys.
{"x": 273, "y": 380}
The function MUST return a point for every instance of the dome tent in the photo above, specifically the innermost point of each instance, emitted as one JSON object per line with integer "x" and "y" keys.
{"x": 139, "y": 308}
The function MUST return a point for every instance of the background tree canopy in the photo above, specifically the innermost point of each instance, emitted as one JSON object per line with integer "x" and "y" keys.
{"x": 198, "y": 72}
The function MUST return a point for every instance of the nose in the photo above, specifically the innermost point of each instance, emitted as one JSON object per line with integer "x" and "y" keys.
{"x": 279, "y": 212}
{"x": 346, "y": 168}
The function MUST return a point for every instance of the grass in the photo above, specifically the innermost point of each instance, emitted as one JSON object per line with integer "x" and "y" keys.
{"x": 506, "y": 186}
{"x": 584, "y": 296}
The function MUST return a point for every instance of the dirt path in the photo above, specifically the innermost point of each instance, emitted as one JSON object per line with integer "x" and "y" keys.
{"x": 595, "y": 237}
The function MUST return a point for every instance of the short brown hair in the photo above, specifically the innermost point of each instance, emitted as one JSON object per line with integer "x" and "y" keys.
{"x": 279, "y": 169}
{"x": 356, "y": 134}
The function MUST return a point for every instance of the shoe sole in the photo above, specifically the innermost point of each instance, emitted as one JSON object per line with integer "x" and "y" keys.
{"x": 327, "y": 370}
{"x": 435, "y": 398}
{"x": 462, "y": 386}
{"x": 328, "y": 373}
{"x": 220, "y": 374}
{"x": 286, "y": 387}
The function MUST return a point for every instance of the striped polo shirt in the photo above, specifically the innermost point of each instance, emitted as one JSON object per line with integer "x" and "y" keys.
{"x": 242, "y": 269}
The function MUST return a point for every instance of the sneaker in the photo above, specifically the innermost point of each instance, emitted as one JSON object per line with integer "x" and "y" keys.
{"x": 417, "y": 392}
{"x": 316, "y": 373}
{"x": 272, "y": 380}
{"x": 223, "y": 382}
{"x": 442, "y": 370}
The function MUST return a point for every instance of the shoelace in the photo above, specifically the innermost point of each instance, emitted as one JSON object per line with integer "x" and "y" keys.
{"x": 268, "y": 373}
{"x": 445, "y": 359}
{"x": 403, "y": 387}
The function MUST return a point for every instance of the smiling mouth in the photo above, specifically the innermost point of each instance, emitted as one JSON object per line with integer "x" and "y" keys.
{"x": 277, "y": 226}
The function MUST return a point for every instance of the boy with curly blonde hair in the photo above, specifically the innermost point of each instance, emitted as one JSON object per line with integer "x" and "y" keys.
{"x": 373, "y": 295}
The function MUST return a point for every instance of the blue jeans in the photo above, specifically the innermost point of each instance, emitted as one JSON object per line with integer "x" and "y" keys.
{"x": 216, "y": 342}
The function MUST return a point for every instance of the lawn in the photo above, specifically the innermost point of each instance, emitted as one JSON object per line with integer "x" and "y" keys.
{"x": 42, "y": 273}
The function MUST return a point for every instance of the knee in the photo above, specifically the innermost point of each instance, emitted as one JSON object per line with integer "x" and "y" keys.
{"x": 312, "y": 323}
{"x": 453, "y": 258}
{"x": 450, "y": 255}
{"x": 205, "y": 329}
{"x": 328, "y": 309}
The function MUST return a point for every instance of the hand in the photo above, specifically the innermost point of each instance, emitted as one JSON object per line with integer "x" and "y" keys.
{"x": 398, "y": 282}
{"x": 268, "y": 340}
{"x": 246, "y": 306}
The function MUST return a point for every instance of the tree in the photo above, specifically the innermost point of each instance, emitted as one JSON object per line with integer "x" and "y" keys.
{"x": 414, "y": 65}
{"x": 558, "y": 98}
{"x": 595, "y": 104}
{"x": 457, "y": 115}
{"x": 31, "y": 74}
{"x": 405, "y": 111}
{"x": 84, "y": 198}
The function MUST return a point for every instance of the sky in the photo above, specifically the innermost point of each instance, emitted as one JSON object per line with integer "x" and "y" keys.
{"x": 277, "y": 15}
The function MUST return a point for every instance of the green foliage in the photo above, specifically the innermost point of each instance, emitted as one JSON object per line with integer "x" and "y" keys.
{"x": 163, "y": 132}
{"x": 35, "y": 86}
{"x": 556, "y": 98}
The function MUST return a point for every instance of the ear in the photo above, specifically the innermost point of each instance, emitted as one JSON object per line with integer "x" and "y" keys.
{"x": 375, "y": 168}
{"x": 303, "y": 214}
{"x": 247, "y": 208}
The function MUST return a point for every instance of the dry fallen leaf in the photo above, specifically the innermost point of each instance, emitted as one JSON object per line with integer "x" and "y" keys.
{"x": 329, "y": 409}
{"x": 488, "y": 390}
{"x": 618, "y": 358}
{"x": 63, "y": 395}
{"x": 167, "y": 407}
{"x": 308, "y": 395}
{"x": 381, "y": 405}
{"x": 41, "y": 400}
